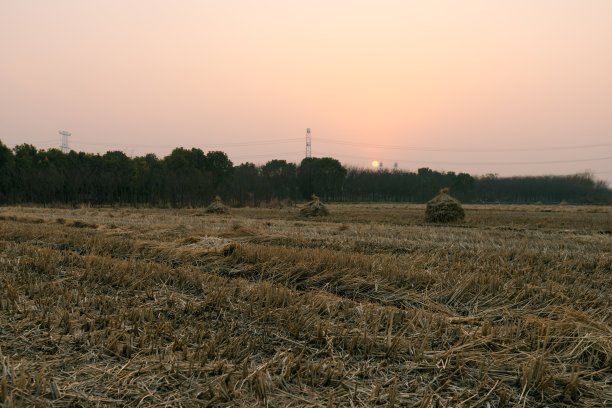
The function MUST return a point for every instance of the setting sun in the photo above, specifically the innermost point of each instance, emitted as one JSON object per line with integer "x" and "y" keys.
{"x": 375, "y": 163}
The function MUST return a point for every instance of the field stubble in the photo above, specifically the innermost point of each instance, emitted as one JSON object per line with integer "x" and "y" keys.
{"x": 369, "y": 306}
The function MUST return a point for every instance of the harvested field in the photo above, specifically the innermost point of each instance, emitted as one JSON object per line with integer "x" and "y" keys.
{"x": 511, "y": 307}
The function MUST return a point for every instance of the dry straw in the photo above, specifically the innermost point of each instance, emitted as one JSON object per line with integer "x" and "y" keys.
{"x": 470, "y": 317}
{"x": 314, "y": 208}
{"x": 444, "y": 208}
{"x": 217, "y": 207}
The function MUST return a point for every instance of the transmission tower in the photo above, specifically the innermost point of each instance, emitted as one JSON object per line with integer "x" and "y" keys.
{"x": 64, "y": 146}
{"x": 308, "y": 152}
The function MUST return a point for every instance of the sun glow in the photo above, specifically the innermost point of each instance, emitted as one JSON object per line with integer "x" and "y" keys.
{"x": 375, "y": 163}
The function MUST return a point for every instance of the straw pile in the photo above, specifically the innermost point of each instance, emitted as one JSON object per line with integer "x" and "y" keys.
{"x": 217, "y": 207}
{"x": 444, "y": 208}
{"x": 314, "y": 208}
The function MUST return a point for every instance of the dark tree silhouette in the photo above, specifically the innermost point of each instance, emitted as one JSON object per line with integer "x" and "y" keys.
{"x": 323, "y": 176}
{"x": 281, "y": 177}
{"x": 190, "y": 177}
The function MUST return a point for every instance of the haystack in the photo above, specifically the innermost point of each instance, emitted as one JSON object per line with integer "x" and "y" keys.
{"x": 314, "y": 208}
{"x": 444, "y": 208}
{"x": 217, "y": 207}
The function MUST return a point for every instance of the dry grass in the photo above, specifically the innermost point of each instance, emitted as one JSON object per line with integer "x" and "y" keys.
{"x": 510, "y": 308}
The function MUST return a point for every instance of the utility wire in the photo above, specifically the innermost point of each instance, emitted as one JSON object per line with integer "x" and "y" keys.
{"x": 254, "y": 143}
{"x": 487, "y": 163}
{"x": 39, "y": 142}
{"x": 395, "y": 147}
{"x": 435, "y": 149}
{"x": 266, "y": 155}
{"x": 342, "y": 142}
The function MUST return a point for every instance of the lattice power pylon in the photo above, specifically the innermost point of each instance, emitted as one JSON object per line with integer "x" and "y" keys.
{"x": 308, "y": 151}
{"x": 64, "y": 145}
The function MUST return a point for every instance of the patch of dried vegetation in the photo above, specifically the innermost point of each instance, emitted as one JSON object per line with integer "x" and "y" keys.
{"x": 345, "y": 312}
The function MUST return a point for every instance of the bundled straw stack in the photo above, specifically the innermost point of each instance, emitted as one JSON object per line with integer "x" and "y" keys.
{"x": 314, "y": 208}
{"x": 217, "y": 207}
{"x": 444, "y": 208}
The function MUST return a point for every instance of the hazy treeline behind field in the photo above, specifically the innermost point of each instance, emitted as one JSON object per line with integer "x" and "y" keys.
{"x": 190, "y": 177}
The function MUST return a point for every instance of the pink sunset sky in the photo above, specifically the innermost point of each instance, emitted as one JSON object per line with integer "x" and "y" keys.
{"x": 513, "y": 87}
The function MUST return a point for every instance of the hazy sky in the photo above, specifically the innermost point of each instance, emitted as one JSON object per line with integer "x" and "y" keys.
{"x": 512, "y": 87}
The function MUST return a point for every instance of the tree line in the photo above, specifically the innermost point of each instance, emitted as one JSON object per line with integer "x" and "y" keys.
{"x": 190, "y": 177}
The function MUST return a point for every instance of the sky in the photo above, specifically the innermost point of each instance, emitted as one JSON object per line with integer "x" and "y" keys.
{"x": 509, "y": 87}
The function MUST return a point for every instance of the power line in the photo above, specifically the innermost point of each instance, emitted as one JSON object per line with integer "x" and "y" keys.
{"x": 39, "y": 142}
{"x": 488, "y": 163}
{"x": 345, "y": 143}
{"x": 535, "y": 162}
{"x": 254, "y": 143}
{"x": 341, "y": 142}
{"x": 434, "y": 149}
{"x": 266, "y": 155}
